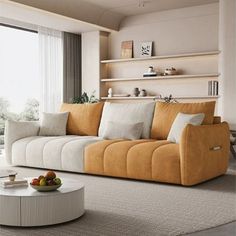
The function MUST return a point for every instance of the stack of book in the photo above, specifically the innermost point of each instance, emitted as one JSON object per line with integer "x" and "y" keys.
{"x": 213, "y": 88}
{"x": 15, "y": 183}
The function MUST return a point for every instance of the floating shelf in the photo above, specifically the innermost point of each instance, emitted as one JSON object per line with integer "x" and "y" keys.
{"x": 161, "y": 57}
{"x": 161, "y": 77}
{"x": 155, "y": 97}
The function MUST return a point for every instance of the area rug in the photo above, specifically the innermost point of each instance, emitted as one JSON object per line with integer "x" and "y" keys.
{"x": 126, "y": 207}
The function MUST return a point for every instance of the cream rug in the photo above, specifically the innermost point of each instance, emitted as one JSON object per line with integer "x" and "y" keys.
{"x": 125, "y": 207}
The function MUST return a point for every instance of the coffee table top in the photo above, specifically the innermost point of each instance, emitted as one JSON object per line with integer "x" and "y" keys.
{"x": 68, "y": 185}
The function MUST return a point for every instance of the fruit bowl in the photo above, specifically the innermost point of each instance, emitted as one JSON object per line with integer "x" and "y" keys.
{"x": 45, "y": 188}
{"x": 46, "y": 183}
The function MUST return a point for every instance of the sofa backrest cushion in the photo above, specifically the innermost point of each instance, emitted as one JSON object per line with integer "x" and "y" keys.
{"x": 165, "y": 114}
{"x": 128, "y": 113}
{"x": 84, "y": 119}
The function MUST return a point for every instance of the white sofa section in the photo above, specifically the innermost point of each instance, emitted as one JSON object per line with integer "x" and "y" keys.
{"x": 128, "y": 113}
{"x": 25, "y": 148}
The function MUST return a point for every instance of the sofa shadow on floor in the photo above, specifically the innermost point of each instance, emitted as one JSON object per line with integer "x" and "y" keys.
{"x": 224, "y": 183}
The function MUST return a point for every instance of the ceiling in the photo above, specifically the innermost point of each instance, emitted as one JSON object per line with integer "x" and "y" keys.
{"x": 135, "y": 7}
{"x": 86, "y": 14}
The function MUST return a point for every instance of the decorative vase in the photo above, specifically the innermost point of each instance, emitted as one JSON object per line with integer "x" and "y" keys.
{"x": 143, "y": 93}
{"x": 136, "y": 92}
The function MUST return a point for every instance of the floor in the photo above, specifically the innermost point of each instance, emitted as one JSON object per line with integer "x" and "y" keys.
{"x": 224, "y": 230}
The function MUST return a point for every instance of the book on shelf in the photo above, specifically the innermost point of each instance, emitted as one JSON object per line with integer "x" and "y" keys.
{"x": 15, "y": 183}
{"x": 213, "y": 88}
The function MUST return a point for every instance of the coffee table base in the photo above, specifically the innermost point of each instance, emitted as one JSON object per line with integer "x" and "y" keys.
{"x": 41, "y": 209}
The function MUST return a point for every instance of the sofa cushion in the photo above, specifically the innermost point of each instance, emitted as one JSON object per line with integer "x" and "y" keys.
{"x": 128, "y": 113}
{"x": 84, "y": 119}
{"x": 180, "y": 123}
{"x": 139, "y": 159}
{"x": 53, "y": 124}
{"x": 58, "y": 152}
{"x": 165, "y": 114}
{"x": 120, "y": 130}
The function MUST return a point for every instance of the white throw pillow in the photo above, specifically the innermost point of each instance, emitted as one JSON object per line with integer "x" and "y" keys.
{"x": 180, "y": 122}
{"x": 53, "y": 124}
{"x": 116, "y": 130}
{"x": 129, "y": 113}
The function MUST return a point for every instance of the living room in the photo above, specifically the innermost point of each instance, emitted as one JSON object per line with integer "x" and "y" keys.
{"x": 117, "y": 118}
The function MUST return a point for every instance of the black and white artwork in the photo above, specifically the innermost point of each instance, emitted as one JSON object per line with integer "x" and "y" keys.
{"x": 146, "y": 49}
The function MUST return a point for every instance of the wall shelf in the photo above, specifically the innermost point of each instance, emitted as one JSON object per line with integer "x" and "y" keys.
{"x": 161, "y": 77}
{"x": 210, "y": 53}
{"x": 153, "y": 97}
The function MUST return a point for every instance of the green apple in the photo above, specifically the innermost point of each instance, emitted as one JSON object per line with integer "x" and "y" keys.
{"x": 57, "y": 181}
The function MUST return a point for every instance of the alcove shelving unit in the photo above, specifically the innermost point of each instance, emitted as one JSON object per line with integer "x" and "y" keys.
{"x": 195, "y": 70}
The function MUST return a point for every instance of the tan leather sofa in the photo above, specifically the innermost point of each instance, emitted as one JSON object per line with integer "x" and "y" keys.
{"x": 201, "y": 155}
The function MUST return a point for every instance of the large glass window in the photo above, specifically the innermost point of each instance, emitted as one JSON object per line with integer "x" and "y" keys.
{"x": 19, "y": 76}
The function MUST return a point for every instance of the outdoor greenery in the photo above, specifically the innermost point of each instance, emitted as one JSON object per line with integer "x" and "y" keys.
{"x": 29, "y": 113}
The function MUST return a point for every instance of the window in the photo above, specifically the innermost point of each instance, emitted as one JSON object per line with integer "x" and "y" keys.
{"x": 19, "y": 76}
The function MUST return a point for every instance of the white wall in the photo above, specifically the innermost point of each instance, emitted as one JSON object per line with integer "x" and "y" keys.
{"x": 91, "y": 62}
{"x": 227, "y": 43}
{"x": 185, "y": 30}
{"x": 191, "y": 29}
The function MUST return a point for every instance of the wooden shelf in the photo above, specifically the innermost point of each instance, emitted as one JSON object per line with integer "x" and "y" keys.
{"x": 161, "y": 77}
{"x": 155, "y": 97}
{"x": 161, "y": 57}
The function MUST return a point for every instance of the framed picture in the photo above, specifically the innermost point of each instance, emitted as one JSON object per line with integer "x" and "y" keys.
{"x": 127, "y": 49}
{"x": 146, "y": 49}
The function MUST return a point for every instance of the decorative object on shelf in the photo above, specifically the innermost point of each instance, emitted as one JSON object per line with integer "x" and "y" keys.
{"x": 109, "y": 92}
{"x": 150, "y": 72}
{"x": 167, "y": 99}
{"x": 170, "y": 71}
{"x": 136, "y": 92}
{"x": 213, "y": 88}
{"x": 127, "y": 49}
{"x": 146, "y": 49}
{"x": 143, "y": 93}
{"x": 84, "y": 98}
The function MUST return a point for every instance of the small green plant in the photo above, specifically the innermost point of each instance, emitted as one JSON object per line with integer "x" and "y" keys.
{"x": 168, "y": 99}
{"x": 84, "y": 98}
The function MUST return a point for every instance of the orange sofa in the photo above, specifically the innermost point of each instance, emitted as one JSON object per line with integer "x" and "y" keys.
{"x": 201, "y": 155}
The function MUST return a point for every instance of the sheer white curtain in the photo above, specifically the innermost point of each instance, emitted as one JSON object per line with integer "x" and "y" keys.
{"x": 51, "y": 68}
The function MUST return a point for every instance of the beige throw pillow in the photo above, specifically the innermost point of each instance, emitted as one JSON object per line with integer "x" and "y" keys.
{"x": 116, "y": 130}
{"x": 180, "y": 122}
{"x": 53, "y": 124}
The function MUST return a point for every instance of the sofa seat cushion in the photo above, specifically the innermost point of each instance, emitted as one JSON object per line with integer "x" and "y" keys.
{"x": 138, "y": 159}
{"x": 59, "y": 153}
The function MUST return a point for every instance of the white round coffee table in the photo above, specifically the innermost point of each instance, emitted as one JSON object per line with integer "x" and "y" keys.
{"x": 24, "y": 206}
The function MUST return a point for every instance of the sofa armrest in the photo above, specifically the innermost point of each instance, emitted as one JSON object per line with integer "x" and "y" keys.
{"x": 204, "y": 152}
{"x": 15, "y": 130}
